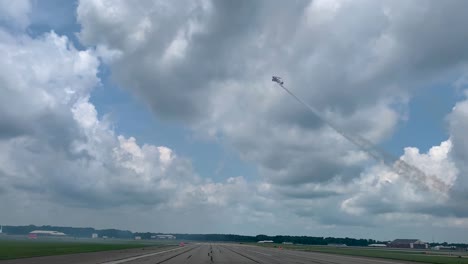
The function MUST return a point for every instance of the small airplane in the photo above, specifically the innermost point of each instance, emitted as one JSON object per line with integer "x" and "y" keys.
{"x": 277, "y": 80}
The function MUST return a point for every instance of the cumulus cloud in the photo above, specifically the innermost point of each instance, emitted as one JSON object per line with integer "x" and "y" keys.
{"x": 55, "y": 148}
{"x": 58, "y": 157}
{"x": 381, "y": 190}
{"x": 15, "y": 14}
{"x": 208, "y": 64}
{"x": 458, "y": 124}
{"x": 358, "y": 63}
{"x": 384, "y": 194}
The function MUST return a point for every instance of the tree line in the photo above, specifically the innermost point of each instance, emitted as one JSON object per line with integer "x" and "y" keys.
{"x": 86, "y": 232}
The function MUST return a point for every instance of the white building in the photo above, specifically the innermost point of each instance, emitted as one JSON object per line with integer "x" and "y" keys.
{"x": 377, "y": 245}
{"x": 164, "y": 237}
{"x": 444, "y": 248}
{"x": 94, "y": 235}
{"x": 47, "y": 233}
{"x": 138, "y": 238}
{"x": 265, "y": 241}
{"x": 1, "y": 229}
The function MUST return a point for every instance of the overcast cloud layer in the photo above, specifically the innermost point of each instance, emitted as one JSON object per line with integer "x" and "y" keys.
{"x": 207, "y": 65}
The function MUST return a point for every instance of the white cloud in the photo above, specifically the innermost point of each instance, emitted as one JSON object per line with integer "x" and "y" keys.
{"x": 320, "y": 12}
{"x": 380, "y": 190}
{"x": 15, "y": 13}
{"x": 208, "y": 64}
{"x": 357, "y": 63}
{"x": 56, "y": 150}
{"x": 458, "y": 125}
{"x": 209, "y": 79}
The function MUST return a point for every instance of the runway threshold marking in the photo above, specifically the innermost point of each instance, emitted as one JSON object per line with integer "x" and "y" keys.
{"x": 140, "y": 256}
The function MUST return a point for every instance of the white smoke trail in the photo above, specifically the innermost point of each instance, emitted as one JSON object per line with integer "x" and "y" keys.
{"x": 399, "y": 166}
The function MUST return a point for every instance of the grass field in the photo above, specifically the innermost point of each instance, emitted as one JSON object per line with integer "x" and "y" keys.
{"x": 11, "y": 249}
{"x": 417, "y": 256}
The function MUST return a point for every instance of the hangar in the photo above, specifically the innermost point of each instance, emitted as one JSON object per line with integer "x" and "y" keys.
{"x": 408, "y": 243}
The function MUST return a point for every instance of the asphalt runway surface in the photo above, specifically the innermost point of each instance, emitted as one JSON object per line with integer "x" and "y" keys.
{"x": 208, "y": 254}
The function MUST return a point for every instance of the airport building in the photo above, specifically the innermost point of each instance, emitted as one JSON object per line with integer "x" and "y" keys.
{"x": 377, "y": 245}
{"x": 45, "y": 233}
{"x": 265, "y": 241}
{"x": 444, "y": 248}
{"x": 408, "y": 243}
{"x": 94, "y": 235}
{"x": 163, "y": 237}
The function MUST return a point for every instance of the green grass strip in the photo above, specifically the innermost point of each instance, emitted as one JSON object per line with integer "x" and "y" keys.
{"x": 24, "y": 249}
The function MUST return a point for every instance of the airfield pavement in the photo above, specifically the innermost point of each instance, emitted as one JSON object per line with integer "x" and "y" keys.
{"x": 203, "y": 253}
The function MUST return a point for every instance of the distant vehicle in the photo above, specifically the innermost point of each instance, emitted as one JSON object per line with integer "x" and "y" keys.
{"x": 277, "y": 80}
{"x": 181, "y": 244}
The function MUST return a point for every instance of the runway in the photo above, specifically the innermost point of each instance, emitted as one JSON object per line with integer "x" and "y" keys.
{"x": 208, "y": 254}
{"x": 235, "y": 253}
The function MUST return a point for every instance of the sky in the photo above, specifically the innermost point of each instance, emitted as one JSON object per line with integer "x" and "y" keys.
{"x": 161, "y": 116}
